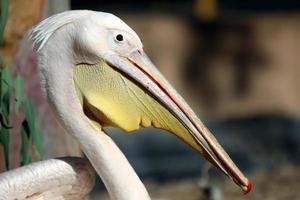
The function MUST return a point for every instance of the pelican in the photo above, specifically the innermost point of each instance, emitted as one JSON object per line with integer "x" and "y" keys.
{"x": 95, "y": 74}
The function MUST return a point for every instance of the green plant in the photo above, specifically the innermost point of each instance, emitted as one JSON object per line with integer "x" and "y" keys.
{"x": 29, "y": 132}
{"x": 3, "y": 19}
{"x": 13, "y": 89}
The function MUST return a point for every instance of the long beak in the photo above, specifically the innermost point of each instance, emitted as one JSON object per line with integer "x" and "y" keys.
{"x": 138, "y": 67}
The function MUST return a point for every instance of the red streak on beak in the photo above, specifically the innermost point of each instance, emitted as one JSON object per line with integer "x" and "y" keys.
{"x": 249, "y": 186}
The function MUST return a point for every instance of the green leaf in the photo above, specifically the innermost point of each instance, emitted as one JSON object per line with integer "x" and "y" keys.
{"x": 5, "y": 81}
{"x": 24, "y": 152}
{"x": 5, "y": 114}
{"x": 4, "y": 135}
{"x": 5, "y": 96}
{"x": 3, "y": 19}
{"x": 18, "y": 93}
{"x": 34, "y": 132}
{"x": 5, "y": 110}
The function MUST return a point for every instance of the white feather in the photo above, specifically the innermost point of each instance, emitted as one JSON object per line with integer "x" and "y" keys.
{"x": 41, "y": 33}
{"x": 61, "y": 178}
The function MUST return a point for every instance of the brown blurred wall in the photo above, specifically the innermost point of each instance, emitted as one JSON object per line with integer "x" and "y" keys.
{"x": 255, "y": 69}
{"x": 21, "y": 16}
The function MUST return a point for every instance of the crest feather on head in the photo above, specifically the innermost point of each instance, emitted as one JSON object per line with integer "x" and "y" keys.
{"x": 40, "y": 33}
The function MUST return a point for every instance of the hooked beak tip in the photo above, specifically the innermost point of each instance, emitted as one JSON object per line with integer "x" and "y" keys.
{"x": 248, "y": 187}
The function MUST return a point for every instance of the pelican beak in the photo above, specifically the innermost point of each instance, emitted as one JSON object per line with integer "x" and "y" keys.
{"x": 138, "y": 67}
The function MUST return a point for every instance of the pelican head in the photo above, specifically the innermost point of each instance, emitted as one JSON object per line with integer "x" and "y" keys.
{"x": 94, "y": 63}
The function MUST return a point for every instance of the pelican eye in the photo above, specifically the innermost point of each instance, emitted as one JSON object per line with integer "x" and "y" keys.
{"x": 119, "y": 37}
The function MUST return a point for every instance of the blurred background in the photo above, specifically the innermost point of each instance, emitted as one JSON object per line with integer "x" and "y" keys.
{"x": 235, "y": 62}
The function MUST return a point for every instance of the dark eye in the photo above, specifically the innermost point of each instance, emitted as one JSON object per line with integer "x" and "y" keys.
{"x": 119, "y": 37}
